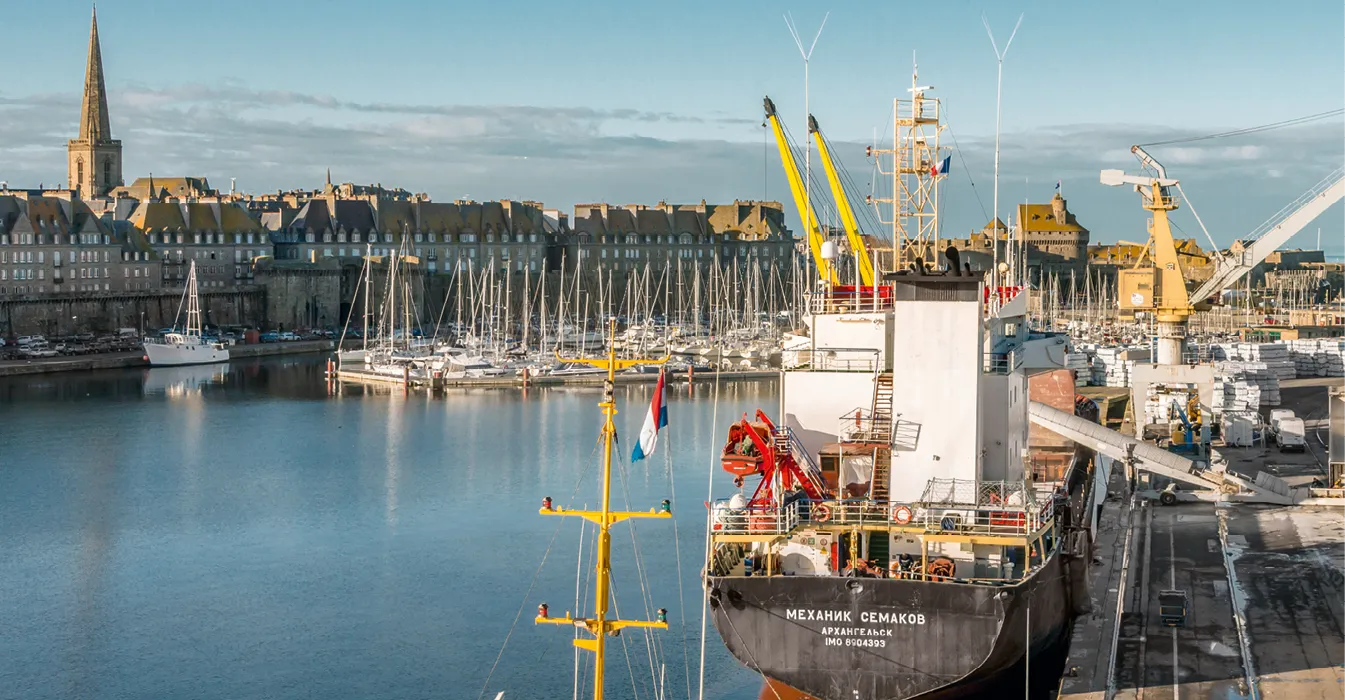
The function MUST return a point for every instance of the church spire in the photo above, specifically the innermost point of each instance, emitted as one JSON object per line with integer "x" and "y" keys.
{"x": 93, "y": 122}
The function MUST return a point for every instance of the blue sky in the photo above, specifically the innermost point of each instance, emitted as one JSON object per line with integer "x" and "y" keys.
{"x": 636, "y": 102}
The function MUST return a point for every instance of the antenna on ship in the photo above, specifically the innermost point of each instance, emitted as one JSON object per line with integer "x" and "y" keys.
{"x": 599, "y": 626}
{"x": 808, "y": 138}
{"x": 999, "y": 91}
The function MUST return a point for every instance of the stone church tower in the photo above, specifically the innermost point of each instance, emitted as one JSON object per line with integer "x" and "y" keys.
{"x": 94, "y": 157}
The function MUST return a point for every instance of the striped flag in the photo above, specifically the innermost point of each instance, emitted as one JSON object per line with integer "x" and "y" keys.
{"x": 656, "y": 419}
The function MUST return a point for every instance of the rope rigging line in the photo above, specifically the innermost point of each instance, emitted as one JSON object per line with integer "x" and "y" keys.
{"x": 536, "y": 575}
{"x": 751, "y": 657}
{"x": 677, "y": 553}
{"x": 967, "y": 170}
{"x": 652, "y": 643}
{"x": 1296, "y": 121}
{"x": 709, "y": 499}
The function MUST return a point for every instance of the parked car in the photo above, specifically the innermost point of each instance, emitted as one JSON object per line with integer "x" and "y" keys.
{"x": 288, "y": 336}
{"x": 270, "y": 337}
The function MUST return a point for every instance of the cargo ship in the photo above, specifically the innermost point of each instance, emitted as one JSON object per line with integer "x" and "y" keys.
{"x": 890, "y": 538}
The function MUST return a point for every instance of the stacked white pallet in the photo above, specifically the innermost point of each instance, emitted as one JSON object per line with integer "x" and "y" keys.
{"x": 1247, "y": 374}
{"x": 1235, "y": 396}
{"x": 1321, "y": 357}
{"x": 1111, "y": 366}
{"x": 1276, "y": 356}
{"x": 1158, "y": 405}
{"x": 1079, "y": 362}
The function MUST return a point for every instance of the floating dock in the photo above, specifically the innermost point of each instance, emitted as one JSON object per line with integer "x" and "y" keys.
{"x": 1265, "y": 586}
{"x": 518, "y": 382}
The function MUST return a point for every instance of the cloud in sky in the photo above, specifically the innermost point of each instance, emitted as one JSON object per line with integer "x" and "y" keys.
{"x": 562, "y": 155}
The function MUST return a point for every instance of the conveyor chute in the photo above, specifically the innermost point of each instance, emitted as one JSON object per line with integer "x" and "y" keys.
{"x": 1147, "y": 457}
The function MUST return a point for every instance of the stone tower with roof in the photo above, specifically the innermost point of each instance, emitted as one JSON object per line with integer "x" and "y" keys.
{"x": 94, "y": 157}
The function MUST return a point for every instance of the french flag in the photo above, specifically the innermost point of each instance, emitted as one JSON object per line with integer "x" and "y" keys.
{"x": 941, "y": 167}
{"x": 654, "y": 420}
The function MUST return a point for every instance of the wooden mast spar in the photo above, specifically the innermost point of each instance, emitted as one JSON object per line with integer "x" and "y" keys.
{"x": 599, "y": 626}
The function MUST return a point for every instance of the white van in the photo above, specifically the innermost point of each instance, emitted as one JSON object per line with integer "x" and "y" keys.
{"x": 1291, "y": 435}
{"x": 1277, "y": 415}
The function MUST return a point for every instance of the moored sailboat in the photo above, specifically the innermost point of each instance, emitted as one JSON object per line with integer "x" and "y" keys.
{"x": 188, "y": 347}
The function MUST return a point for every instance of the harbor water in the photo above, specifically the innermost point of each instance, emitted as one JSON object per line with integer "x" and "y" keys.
{"x": 239, "y": 531}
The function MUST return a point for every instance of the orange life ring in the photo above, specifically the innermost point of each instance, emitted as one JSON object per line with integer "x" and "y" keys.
{"x": 901, "y": 514}
{"x": 821, "y": 512}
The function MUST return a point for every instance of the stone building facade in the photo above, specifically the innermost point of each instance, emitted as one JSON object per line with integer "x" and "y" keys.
{"x": 52, "y": 242}
{"x": 445, "y": 237}
{"x": 220, "y": 237}
{"x": 630, "y": 236}
{"x": 1055, "y": 241}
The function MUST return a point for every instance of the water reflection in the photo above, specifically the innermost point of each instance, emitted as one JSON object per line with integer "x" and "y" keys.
{"x": 180, "y": 381}
{"x": 238, "y": 523}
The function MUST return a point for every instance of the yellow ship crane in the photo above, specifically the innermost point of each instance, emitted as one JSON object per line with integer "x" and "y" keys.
{"x": 796, "y": 187}
{"x": 862, "y": 259}
{"x": 599, "y": 626}
{"x": 1160, "y": 287}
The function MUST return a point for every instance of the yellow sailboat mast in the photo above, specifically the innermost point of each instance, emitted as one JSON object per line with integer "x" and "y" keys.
{"x": 824, "y": 267}
{"x": 598, "y": 625}
{"x": 861, "y": 252}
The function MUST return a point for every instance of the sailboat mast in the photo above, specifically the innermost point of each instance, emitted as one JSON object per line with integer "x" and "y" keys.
{"x": 193, "y": 305}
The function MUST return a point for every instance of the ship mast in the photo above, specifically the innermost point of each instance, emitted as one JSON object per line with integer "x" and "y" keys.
{"x": 193, "y": 304}
{"x": 913, "y": 207}
{"x": 599, "y": 626}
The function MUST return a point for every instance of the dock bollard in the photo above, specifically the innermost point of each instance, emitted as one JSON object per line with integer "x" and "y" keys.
{"x": 525, "y": 377}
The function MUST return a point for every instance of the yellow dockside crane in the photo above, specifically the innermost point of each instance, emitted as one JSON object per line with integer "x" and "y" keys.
{"x": 801, "y": 200}
{"x": 863, "y": 262}
{"x": 1157, "y": 284}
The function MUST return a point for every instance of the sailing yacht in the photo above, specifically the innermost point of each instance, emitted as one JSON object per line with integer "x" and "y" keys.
{"x": 188, "y": 347}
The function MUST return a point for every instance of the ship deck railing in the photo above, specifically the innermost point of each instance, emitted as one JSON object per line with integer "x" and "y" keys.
{"x": 752, "y": 522}
{"x": 863, "y": 425}
{"x": 826, "y": 359}
{"x": 979, "y": 524}
{"x": 843, "y": 299}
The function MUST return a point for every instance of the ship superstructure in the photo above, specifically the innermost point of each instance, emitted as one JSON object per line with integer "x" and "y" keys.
{"x": 889, "y": 540}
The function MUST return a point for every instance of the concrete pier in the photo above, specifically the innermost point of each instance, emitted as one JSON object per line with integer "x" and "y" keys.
{"x": 1265, "y": 586}
{"x": 114, "y": 360}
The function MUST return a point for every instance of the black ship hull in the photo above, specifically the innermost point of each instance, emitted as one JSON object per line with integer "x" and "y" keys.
{"x": 890, "y": 639}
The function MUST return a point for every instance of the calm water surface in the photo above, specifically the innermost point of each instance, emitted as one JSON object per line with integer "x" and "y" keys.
{"x": 237, "y": 532}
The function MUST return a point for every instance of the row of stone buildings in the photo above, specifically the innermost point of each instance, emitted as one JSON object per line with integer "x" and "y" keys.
{"x": 99, "y": 234}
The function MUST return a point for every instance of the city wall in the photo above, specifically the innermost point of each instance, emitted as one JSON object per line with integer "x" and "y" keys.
{"x": 55, "y": 315}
